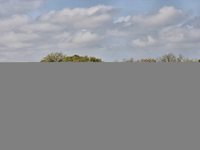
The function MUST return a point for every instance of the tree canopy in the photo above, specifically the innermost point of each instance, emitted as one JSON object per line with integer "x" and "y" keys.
{"x": 54, "y": 57}
{"x": 172, "y": 58}
{"x": 77, "y": 58}
{"x": 59, "y": 57}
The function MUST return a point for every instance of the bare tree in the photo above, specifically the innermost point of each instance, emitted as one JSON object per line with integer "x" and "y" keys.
{"x": 167, "y": 58}
{"x": 180, "y": 58}
{"x": 129, "y": 60}
{"x": 189, "y": 60}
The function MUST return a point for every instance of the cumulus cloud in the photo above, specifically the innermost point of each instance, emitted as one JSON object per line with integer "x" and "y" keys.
{"x": 8, "y": 7}
{"x": 95, "y": 29}
{"x": 81, "y": 17}
{"x": 171, "y": 37}
{"x": 16, "y": 37}
{"x": 140, "y": 43}
{"x": 13, "y": 22}
{"x": 164, "y": 16}
{"x": 20, "y": 33}
{"x": 180, "y": 34}
{"x": 117, "y": 33}
{"x": 80, "y": 39}
{"x": 41, "y": 27}
{"x": 123, "y": 19}
{"x": 16, "y": 40}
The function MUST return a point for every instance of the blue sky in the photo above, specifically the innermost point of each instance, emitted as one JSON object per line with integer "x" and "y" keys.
{"x": 107, "y": 29}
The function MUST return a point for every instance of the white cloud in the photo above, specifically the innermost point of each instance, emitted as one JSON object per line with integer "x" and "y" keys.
{"x": 42, "y": 27}
{"x": 13, "y": 22}
{"x": 81, "y": 17}
{"x": 117, "y": 33}
{"x": 16, "y": 37}
{"x": 180, "y": 34}
{"x": 85, "y": 37}
{"x": 8, "y": 7}
{"x": 12, "y": 40}
{"x": 140, "y": 43}
{"x": 164, "y": 16}
{"x": 63, "y": 36}
{"x": 123, "y": 19}
{"x": 188, "y": 26}
{"x": 80, "y": 39}
{"x": 93, "y": 29}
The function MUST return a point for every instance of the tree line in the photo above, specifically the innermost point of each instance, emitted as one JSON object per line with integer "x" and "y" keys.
{"x": 60, "y": 57}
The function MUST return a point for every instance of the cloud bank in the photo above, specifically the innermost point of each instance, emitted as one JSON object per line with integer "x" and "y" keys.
{"x": 93, "y": 29}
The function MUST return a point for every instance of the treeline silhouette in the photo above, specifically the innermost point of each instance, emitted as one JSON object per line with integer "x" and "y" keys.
{"x": 60, "y": 57}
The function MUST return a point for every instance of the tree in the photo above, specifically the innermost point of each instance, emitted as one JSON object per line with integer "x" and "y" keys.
{"x": 148, "y": 60}
{"x": 188, "y": 60}
{"x": 180, "y": 58}
{"x": 77, "y": 58}
{"x": 167, "y": 58}
{"x": 74, "y": 58}
{"x": 54, "y": 57}
{"x": 129, "y": 60}
{"x": 172, "y": 58}
{"x": 93, "y": 59}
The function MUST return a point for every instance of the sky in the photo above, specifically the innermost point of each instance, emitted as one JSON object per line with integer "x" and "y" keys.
{"x": 107, "y": 29}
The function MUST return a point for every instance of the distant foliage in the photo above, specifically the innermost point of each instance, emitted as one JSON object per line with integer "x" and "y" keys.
{"x": 54, "y": 57}
{"x": 147, "y": 60}
{"x": 167, "y": 58}
{"x": 172, "y": 58}
{"x": 189, "y": 60}
{"x": 77, "y": 58}
{"x": 59, "y": 57}
{"x": 129, "y": 60}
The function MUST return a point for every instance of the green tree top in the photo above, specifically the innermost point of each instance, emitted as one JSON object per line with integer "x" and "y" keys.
{"x": 54, "y": 57}
{"x": 77, "y": 58}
